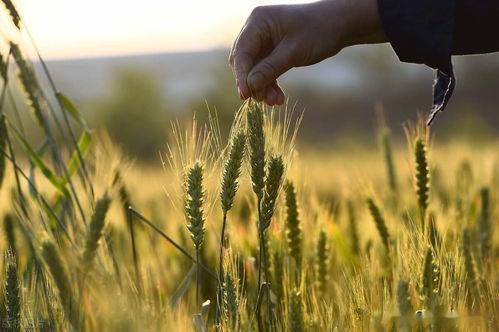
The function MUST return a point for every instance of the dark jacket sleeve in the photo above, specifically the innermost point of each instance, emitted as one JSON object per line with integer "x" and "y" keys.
{"x": 431, "y": 31}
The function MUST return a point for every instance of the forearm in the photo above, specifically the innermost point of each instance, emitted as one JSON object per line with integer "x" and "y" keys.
{"x": 359, "y": 19}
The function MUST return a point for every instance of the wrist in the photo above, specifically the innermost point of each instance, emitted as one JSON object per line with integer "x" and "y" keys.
{"x": 359, "y": 20}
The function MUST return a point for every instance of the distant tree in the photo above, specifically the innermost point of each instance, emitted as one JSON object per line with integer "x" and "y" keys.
{"x": 134, "y": 113}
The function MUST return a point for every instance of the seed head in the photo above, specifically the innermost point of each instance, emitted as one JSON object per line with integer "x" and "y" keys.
{"x": 194, "y": 204}
{"x": 256, "y": 141}
{"x": 95, "y": 231}
{"x": 231, "y": 173}
{"x": 272, "y": 187}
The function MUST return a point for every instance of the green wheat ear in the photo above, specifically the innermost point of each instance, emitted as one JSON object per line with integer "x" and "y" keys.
{"x": 295, "y": 317}
{"x": 380, "y": 222}
{"x": 194, "y": 204}
{"x": 58, "y": 271}
{"x": 472, "y": 282}
{"x": 12, "y": 298}
{"x": 232, "y": 171}
{"x": 386, "y": 146}
{"x": 294, "y": 233}
{"x": 278, "y": 275}
{"x": 403, "y": 298}
{"x": 430, "y": 284}
{"x": 352, "y": 223}
{"x": 14, "y": 14}
{"x": 272, "y": 186}
{"x": 8, "y": 226}
{"x": 404, "y": 304}
{"x": 322, "y": 262}
{"x": 484, "y": 225}
{"x": 30, "y": 84}
{"x": 230, "y": 300}
{"x": 422, "y": 177}
{"x": 95, "y": 231}
{"x": 3, "y": 146}
{"x": 256, "y": 142}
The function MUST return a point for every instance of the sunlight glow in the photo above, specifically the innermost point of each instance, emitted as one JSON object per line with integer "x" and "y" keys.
{"x": 77, "y": 28}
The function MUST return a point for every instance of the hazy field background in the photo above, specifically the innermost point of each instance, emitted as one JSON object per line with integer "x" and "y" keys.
{"x": 363, "y": 221}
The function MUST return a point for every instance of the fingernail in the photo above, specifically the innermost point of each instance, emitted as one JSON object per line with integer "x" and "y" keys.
{"x": 256, "y": 80}
{"x": 240, "y": 94}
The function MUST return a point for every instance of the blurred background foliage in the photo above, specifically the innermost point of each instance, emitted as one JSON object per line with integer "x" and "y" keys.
{"x": 136, "y": 97}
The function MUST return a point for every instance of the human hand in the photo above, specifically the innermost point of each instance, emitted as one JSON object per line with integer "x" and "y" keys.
{"x": 278, "y": 38}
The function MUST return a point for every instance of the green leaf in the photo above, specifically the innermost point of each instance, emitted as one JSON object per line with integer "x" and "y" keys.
{"x": 71, "y": 109}
{"x": 59, "y": 183}
{"x": 182, "y": 288}
{"x": 83, "y": 145}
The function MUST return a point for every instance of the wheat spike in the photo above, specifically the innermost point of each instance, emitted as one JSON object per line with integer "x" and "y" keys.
{"x": 352, "y": 223}
{"x": 95, "y": 231}
{"x": 294, "y": 233}
{"x": 3, "y": 145}
{"x": 256, "y": 141}
{"x": 29, "y": 83}
{"x": 58, "y": 271}
{"x": 322, "y": 262}
{"x": 272, "y": 186}
{"x": 230, "y": 300}
{"x": 484, "y": 225}
{"x": 295, "y": 317}
{"x": 8, "y": 226}
{"x": 430, "y": 283}
{"x": 12, "y": 298}
{"x": 422, "y": 177}
{"x": 194, "y": 204}
{"x": 14, "y": 14}
{"x": 470, "y": 269}
{"x": 388, "y": 156}
{"x": 278, "y": 275}
{"x": 403, "y": 298}
{"x": 380, "y": 222}
{"x": 231, "y": 172}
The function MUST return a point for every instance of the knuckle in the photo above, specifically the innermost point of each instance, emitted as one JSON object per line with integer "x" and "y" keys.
{"x": 269, "y": 70}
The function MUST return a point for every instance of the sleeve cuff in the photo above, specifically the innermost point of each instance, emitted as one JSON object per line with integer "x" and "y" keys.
{"x": 422, "y": 32}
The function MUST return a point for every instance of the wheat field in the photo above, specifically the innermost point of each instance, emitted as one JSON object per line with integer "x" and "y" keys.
{"x": 251, "y": 233}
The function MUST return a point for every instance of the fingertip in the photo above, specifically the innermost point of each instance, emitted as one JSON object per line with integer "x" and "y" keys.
{"x": 271, "y": 96}
{"x": 244, "y": 92}
{"x": 260, "y": 95}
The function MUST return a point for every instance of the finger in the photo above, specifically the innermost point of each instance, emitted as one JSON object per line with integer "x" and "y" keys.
{"x": 246, "y": 47}
{"x": 271, "y": 67}
{"x": 271, "y": 95}
{"x": 281, "y": 97}
{"x": 260, "y": 95}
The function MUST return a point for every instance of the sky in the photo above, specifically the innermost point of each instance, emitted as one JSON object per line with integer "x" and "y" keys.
{"x": 89, "y": 28}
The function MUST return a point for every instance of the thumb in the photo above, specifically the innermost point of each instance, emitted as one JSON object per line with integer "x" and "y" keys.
{"x": 271, "y": 67}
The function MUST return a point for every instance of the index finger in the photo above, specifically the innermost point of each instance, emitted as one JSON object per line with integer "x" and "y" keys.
{"x": 243, "y": 53}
